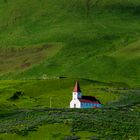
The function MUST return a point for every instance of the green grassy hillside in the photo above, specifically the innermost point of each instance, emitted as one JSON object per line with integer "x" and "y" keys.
{"x": 37, "y": 93}
{"x": 27, "y": 115}
{"x": 100, "y": 41}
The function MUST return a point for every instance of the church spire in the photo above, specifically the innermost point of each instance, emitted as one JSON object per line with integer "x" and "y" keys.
{"x": 77, "y": 87}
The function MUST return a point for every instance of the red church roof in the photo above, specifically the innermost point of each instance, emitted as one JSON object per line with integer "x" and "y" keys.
{"x": 77, "y": 87}
{"x": 88, "y": 101}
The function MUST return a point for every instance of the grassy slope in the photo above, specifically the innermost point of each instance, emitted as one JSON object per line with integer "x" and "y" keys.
{"x": 21, "y": 59}
{"x": 93, "y": 45}
{"x": 37, "y": 93}
{"x": 103, "y": 46}
{"x": 29, "y": 117}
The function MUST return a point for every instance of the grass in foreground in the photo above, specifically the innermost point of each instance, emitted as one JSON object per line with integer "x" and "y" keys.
{"x": 29, "y": 116}
{"x": 48, "y": 124}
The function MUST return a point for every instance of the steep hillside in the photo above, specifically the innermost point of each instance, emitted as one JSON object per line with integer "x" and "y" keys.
{"x": 100, "y": 39}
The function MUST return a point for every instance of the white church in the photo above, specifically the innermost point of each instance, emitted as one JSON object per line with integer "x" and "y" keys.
{"x": 79, "y": 101}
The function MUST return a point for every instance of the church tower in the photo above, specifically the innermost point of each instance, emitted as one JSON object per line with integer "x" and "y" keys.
{"x": 76, "y": 96}
{"x": 77, "y": 91}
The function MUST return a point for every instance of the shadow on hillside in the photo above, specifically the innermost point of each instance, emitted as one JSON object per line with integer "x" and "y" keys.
{"x": 125, "y": 8}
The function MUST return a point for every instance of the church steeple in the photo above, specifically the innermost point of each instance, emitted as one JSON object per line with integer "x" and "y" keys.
{"x": 77, "y": 87}
{"x": 77, "y": 91}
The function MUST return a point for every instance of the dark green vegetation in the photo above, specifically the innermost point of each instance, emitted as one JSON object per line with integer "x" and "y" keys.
{"x": 25, "y": 112}
{"x": 100, "y": 39}
{"x": 116, "y": 124}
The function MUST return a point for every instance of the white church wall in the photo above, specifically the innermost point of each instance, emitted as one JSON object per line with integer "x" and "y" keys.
{"x": 75, "y": 104}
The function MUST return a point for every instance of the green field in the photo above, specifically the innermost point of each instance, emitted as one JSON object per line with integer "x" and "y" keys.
{"x": 46, "y": 45}
{"x": 37, "y": 93}
{"x": 30, "y": 116}
{"x": 101, "y": 43}
{"x": 49, "y": 124}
